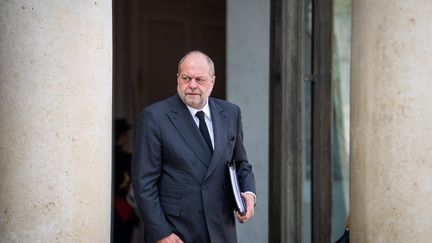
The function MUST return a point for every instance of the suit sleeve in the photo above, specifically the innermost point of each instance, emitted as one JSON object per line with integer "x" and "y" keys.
{"x": 146, "y": 170}
{"x": 244, "y": 168}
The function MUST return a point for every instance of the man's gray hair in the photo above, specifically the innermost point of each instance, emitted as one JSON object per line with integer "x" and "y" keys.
{"x": 209, "y": 61}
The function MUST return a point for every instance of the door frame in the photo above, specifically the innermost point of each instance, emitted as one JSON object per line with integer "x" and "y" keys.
{"x": 286, "y": 88}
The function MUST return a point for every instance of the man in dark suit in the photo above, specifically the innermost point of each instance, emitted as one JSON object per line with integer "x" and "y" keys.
{"x": 179, "y": 169}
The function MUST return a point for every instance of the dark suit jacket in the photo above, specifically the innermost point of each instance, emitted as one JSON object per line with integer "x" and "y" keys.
{"x": 179, "y": 185}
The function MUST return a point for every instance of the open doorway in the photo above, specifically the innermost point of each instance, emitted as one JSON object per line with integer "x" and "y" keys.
{"x": 150, "y": 37}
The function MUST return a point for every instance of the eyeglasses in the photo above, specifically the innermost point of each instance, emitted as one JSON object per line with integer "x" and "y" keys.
{"x": 187, "y": 79}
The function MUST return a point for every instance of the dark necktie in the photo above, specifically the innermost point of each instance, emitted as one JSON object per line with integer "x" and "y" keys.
{"x": 203, "y": 129}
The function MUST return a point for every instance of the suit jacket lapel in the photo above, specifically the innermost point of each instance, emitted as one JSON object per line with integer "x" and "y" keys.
{"x": 185, "y": 125}
{"x": 220, "y": 131}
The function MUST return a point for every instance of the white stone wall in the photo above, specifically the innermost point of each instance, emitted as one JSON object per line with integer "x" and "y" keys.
{"x": 248, "y": 34}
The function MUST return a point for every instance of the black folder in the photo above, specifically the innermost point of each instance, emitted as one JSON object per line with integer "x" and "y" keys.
{"x": 239, "y": 202}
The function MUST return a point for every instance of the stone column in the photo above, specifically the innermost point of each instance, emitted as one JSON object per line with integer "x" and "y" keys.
{"x": 391, "y": 121}
{"x": 55, "y": 120}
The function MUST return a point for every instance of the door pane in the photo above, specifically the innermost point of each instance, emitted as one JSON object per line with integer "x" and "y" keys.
{"x": 341, "y": 104}
{"x": 307, "y": 123}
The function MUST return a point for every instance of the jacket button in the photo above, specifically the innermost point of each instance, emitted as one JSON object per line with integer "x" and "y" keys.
{"x": 204, "y": 187}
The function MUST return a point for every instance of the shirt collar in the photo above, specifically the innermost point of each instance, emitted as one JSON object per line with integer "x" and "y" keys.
{"x": 205, "y": 109}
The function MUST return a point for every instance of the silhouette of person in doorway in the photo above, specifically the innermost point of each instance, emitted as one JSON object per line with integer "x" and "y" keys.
{"x": 125, "y": 218}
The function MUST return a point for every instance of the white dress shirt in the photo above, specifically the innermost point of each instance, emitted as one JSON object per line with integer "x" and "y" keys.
{"x": 207, "y": 117}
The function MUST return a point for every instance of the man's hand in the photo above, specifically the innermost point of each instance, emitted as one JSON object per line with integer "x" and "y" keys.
{"x": 172, "y": 238}
{"x": 250, "y": 204}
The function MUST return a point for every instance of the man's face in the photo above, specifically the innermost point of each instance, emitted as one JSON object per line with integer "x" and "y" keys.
{"x": 194, "y": 81}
